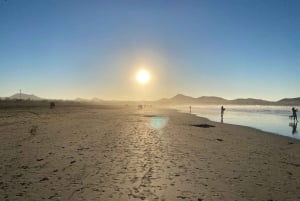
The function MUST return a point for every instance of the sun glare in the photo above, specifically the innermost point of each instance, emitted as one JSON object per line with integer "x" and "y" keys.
{"x": 143, "y": 76}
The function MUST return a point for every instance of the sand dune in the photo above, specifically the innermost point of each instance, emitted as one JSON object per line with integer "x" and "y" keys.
{"x": 81, "y": 153}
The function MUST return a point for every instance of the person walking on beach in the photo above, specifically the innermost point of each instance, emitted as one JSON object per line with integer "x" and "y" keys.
{"x": 190, "y": 109}
{"x": 294, "y": 110}
{"x": 222, "y": 113}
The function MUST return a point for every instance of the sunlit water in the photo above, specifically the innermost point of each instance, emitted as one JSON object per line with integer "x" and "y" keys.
{"x": 274, "y": 119}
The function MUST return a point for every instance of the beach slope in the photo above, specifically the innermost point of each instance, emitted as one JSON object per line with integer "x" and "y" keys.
{"x": 121, "y": 153}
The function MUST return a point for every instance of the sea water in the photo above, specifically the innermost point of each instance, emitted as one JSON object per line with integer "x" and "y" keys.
{"x": 274, "y": 119}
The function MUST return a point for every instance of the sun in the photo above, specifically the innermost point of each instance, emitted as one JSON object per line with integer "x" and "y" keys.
{"x": 143, "y": 76}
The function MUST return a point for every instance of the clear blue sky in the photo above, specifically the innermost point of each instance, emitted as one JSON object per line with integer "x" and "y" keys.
{"x": 72, "y": 48}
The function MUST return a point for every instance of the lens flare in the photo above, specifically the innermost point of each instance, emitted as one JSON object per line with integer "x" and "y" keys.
{"x": 158, "y": 122}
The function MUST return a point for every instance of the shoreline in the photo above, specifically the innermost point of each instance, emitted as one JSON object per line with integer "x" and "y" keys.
{"x": 250, "y": 127}
{"x": 284, "y": 134}
{"x": 87, "y": 153}
{"x": 272, "y": 134}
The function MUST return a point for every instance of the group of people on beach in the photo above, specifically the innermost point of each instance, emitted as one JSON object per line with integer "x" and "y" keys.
{"x": 294, "y": 111}
{"x": 293, "y": 116}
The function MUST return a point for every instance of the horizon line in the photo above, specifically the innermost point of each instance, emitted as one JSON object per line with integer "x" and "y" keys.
{"x": 149, "y": 100}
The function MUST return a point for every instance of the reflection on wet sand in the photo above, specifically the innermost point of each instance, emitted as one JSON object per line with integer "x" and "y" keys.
{"x": 294, "y": 127}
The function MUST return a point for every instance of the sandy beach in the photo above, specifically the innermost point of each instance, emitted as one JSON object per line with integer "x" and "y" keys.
{"x": 121, "y": 153}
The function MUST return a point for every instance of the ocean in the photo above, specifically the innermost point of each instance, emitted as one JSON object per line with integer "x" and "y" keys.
{"x": 274, "y": 119}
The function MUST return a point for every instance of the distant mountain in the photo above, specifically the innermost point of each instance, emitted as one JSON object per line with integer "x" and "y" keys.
{"x": 181, "y": 99}
{"x": 249, "y": 101}
{"x": 289, "y": 101}
{"x": 88, "y": 100}
{"x": 81, "y": 100}
{"x": 211, "y": 100}
{"x": 96, "y": 99}
{"x": 25, "y": 97}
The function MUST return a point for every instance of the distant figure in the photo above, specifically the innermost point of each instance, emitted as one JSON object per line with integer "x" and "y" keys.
{"x": 222, "y": 113}
{"x": 294, "y": 110}
{"x": 190, "y": 109}
{"x": 52, "y": 105}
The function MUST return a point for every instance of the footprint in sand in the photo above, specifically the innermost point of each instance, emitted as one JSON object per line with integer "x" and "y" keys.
{"x": 72, "y": 162}
{"x": 44, "y": 179}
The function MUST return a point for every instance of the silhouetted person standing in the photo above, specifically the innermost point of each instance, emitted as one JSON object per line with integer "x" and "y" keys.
{"x": 294, "y": 110}
{"x": 222, "y": 113}
{"x": 190, "y": 109}
{"x": 52, "y": 105}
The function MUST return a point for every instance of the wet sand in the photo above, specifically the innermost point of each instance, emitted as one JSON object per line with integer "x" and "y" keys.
{"x": 95, "y": 153}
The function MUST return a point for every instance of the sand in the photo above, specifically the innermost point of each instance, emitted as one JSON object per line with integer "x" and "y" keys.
{"x": 108, "y": 153}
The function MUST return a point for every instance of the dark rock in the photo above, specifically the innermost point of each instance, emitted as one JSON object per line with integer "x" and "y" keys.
{"x": 202, "y": 125}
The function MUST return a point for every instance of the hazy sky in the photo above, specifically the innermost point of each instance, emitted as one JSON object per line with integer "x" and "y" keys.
{"x": 70, "y": 48}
